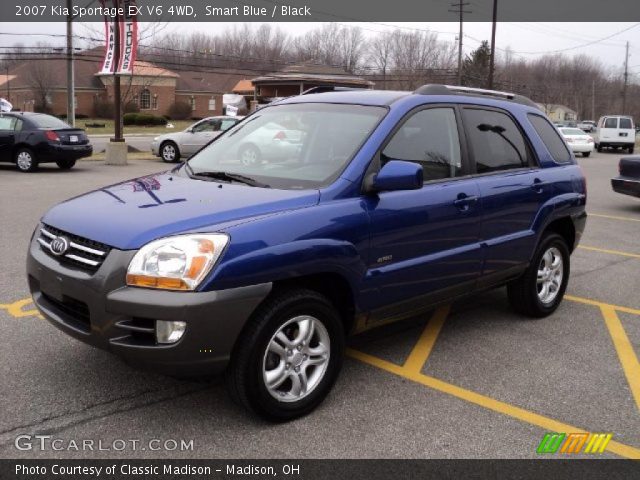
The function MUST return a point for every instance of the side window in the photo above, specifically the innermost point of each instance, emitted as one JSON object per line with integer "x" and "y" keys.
{"x": 611, "y": 123}
{"x": 430, "y": 138}
{"x": 496, "y": 140}
{"x": 227, "y": 124}
{"x": 18, "y": 126}
{"x": 551, "y": 138}
{"x": 7, "y": 123}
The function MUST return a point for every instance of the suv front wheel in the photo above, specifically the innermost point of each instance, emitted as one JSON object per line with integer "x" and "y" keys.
{"x": 539, "y": 291}
{"x": 288, "y": 356}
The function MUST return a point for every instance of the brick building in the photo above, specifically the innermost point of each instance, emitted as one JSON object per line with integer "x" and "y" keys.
{"x": 43, "y": 82}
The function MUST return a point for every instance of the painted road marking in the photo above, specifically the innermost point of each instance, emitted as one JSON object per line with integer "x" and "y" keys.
{"x": 612, "y": 252}
{"x": 15, "y": 309}
{"x": 613, "y": 217}
{"x": 518, "y": 413}
{"x": 421, "y": 351}
{"x": 627, "y": 356}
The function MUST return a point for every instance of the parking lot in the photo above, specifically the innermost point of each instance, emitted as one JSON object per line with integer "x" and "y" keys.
{"x": 471, "y": 379}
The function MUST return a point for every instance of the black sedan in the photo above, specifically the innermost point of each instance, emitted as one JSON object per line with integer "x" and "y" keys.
{"x": 628, "y": 182}
{"x": 28, "y": 139}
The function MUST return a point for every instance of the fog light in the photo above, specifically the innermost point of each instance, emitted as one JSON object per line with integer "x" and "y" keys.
{"x": 169, "y": 332}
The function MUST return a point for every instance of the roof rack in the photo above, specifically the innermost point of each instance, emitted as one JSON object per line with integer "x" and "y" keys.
{"x": 330, "y": 88}
{"x": 435, "y": 89}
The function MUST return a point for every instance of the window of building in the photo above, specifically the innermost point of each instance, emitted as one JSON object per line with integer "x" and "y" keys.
{"x": 145, "y": 99}
{"x": 192, "y": 101}
{"x": 154, "y": 102}
{"x": 430, "y": 138}
{"x": 551, "y": 138}
{"x": 496, "y": 140}
{"x": 212, "y": 104}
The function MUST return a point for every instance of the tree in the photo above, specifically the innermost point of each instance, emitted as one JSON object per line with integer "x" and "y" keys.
{"x": 475, "y": 68}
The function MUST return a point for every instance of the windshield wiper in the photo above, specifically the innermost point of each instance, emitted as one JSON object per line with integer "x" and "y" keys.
{"x": 231, "y": 177}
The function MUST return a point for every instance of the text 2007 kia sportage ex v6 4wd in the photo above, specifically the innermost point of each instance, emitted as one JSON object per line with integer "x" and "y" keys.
{"x": 355, "y": 207}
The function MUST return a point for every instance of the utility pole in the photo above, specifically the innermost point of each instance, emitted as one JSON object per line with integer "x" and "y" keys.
{"x": 71, "y": 87}
{"x": 626, "y": 81}
{"x": 492, "y": 61}
{"x": 460, "y": 10}
{"x": 117, "y": 93}
{"x": 593, "y": 100}
{"x": 8, "y": 85}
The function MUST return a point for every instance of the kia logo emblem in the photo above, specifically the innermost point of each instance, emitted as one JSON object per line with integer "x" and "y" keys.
{"x": 59, "y": 246}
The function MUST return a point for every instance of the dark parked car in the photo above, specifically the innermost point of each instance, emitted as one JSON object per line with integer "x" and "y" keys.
{"x": 29, "y": 139}
{"x": 628, "y": 182}
{"x": 394, "y": 202}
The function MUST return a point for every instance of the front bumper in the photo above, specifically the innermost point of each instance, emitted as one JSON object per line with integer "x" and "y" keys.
{"x": 99, "y": 309}
{"x": 626, "y": 186}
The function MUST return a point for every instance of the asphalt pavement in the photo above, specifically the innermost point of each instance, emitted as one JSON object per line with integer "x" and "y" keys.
{"x": 482, "y": 382}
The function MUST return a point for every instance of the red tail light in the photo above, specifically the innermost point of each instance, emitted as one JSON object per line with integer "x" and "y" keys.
{"x": 51, "y": 135}
{"x": 280, "y": 136}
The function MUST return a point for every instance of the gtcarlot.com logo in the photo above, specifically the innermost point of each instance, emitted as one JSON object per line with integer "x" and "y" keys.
{"x": 51, "y": 443}
{"x": 574, "y": 443}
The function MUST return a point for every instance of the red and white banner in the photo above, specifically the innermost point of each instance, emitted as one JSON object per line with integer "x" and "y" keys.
{"x": 127, "y": 28}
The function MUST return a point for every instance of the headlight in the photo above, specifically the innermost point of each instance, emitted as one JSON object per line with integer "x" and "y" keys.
{"x": 176, "y": 263}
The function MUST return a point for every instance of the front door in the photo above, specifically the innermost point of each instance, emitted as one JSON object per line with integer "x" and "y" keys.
{"x": 201, "y": 134}
{"x": 7, "y": 137}
{"x": 425, "y": 244}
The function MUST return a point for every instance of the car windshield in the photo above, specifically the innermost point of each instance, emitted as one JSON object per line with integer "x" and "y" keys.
{"x": 48, "y": 121}
{"x": 295, "y": 146}
{"x": 572, "y": 131}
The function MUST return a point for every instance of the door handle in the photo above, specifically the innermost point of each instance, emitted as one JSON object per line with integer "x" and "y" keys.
{"x": 464, "y": 201}
{"x": 537, "y": 185}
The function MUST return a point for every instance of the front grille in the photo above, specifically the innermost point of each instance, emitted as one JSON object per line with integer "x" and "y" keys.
{"x": 82, "y": 253}
{"x": 139, "y": 332}
{"x": 71, "y": 309}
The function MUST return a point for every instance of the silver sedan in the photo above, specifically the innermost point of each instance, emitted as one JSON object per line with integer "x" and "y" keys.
{"x": 171, "y": 147}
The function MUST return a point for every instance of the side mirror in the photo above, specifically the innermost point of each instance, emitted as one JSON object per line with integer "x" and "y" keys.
{"x": 189, "y": 130}
{"x": 397, "y": 175}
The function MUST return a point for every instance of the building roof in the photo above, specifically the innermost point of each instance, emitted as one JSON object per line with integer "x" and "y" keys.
{"x": 220, "y": 81}
{"x": 244, "y": 86}
{"x": 312, "y": 73}
{"x": 6, "y": 78}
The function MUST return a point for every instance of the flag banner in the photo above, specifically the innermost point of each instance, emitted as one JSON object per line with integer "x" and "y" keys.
{"x": 110, "y": 25}
{"x": 128, "y": 38}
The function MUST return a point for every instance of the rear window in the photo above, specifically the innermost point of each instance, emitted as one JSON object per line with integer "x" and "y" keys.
{"x": 47, "y": 121}
{"x": 551, "y": 138}
{"x": 611, "y": 123}
{"x": 571, "y": 131}
{"x": 626, "y": 123}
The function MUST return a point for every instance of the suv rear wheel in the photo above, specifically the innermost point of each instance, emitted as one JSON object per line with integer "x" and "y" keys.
{"x": 539, "y": 291}
{"x": 288, "y": 356}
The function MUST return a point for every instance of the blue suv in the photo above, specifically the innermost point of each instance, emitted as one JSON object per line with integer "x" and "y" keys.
{"x": 352, "y": 209}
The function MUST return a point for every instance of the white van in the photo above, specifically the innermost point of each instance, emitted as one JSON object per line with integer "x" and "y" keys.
{"x": 615, "y": 131}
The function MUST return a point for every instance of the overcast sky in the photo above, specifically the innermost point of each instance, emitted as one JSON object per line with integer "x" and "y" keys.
{"x": 524, "y": 38}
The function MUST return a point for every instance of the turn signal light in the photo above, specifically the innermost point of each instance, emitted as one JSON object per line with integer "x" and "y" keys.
{"x": 156, "y": 282}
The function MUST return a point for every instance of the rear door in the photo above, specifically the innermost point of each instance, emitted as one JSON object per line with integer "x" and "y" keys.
{"x": 626, "y": 130}
{"x": 425, "y": 243}
{"x": 512, "y": 189}
{"x": 609, "y": 130}
{"x": 7, "y": 137}
{"x": 201, "y": 134}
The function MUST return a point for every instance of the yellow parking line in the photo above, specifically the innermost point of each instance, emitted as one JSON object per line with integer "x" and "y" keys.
{"x": 627, "y": 356}
{"x": 418, "y": 356}
{"x": 597, "y": 303}
{"x": 518, "y": 413}
{"x": 612, "y": 252}
{"x": 614, "y": 217}
{"x": 15, "y": 309}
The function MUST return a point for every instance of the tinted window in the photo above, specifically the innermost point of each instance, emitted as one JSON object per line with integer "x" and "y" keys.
{"x": 47, "y": 121}
{"x": 611, "y": 123}
{"x": 551, "y": 139}
{"x": 430, "y": 138}
{"x": 497, "y": 143}
{"x": 625, "y": 123}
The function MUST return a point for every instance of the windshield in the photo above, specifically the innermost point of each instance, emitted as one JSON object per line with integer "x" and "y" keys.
{"x": 48, "y": 121}
{"x": 572, "y": 131}
{"x": 294, "y": 146}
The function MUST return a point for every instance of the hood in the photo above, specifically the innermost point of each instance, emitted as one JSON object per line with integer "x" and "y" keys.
{"x": 132, "y": 213}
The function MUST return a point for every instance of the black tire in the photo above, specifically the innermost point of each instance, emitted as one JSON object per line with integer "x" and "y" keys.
{"x": 599, "y": 148}
{"x": 66, "y": 163}
{"x": 244, "y": 376}
{"x": 26, "y": 160}
{"x": 586, "y": 154}
{"x": 249, "y": 155}
{"x": 631, "y": 149}
{"x": 523, "y": 292}
{"x": 169, "y": 152}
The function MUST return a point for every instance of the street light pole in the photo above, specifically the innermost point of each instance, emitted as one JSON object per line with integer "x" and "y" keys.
{"x": 493, "y": 44}
{"x": 71, "y": 87}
